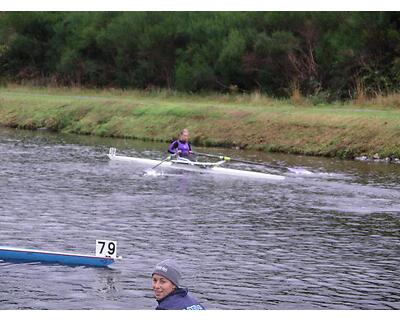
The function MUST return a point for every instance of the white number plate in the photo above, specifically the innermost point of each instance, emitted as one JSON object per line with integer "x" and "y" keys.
{"x": 106, "y": 248}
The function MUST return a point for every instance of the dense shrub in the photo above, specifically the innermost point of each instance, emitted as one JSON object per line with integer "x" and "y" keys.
{"x": 340, "y": 54}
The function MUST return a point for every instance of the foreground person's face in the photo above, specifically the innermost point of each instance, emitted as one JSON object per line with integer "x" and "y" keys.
{"x": 161, "y": 286}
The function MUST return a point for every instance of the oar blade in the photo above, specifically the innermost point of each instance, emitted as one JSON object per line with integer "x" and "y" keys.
{"x": 153, "y": 173}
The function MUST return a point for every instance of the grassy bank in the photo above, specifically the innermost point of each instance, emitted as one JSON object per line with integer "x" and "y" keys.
{"x": 245, "y": 121}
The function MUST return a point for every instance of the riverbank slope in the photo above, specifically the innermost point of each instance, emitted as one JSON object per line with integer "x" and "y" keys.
{"x": 243, "y": 121}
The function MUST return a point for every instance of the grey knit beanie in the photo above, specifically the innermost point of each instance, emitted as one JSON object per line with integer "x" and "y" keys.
{"x": 170, "y": 270}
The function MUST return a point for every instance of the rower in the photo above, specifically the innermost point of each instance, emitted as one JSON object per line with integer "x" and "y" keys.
{"x": 166, "y": 281}
{"x": 181, "y": 146}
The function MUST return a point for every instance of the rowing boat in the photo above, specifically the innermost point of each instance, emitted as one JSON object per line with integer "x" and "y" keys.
{"x": 31, "y": 255}
{"x": 186, "y": 164}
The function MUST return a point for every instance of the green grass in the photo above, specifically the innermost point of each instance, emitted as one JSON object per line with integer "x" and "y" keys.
{"x": 247, "y": 121}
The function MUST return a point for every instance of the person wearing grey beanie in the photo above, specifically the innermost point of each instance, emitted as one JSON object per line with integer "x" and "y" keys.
{"x": 166, "y": 281}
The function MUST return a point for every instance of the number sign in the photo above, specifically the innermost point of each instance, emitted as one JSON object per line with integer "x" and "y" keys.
{"x": 106, "y": 248}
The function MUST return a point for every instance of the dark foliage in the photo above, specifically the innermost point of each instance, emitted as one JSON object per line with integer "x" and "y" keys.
{"x": 329, "y": 54}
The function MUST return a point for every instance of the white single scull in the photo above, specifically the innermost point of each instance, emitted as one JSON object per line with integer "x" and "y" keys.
{"x": 185, "y": 164}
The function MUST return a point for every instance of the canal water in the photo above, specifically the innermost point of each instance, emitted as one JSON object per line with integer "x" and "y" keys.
{"x": 326, "y": 240}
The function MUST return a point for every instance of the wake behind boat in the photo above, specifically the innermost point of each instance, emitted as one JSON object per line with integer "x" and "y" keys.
{"x": 188, "y": 165}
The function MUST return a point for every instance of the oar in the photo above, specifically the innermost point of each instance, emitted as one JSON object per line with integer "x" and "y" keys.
{"x": 167, "y": 158}
{"x": 248, "y": 162}
{"x": 237, "y": 160}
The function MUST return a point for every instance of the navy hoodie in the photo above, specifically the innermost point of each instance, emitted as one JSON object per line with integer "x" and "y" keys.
{"x": 179, "y": 299}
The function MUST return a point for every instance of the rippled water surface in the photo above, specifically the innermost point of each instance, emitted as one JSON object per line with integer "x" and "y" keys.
{"x": 329, "y": 240}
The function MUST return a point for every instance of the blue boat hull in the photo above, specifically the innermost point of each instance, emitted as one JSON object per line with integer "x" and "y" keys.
{"x": 25, "y": 255}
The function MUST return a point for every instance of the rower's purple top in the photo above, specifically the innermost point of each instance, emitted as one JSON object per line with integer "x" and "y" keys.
{"x": 178, "y": 145}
